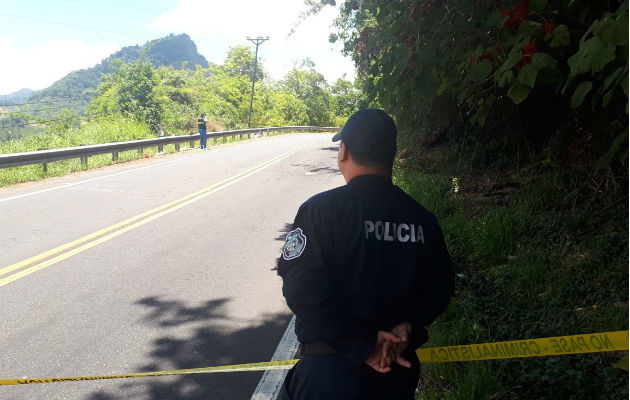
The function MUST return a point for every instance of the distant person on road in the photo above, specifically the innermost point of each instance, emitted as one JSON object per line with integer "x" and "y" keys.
{"x": 365, "y": 270}
{"x": 202, "y": 123}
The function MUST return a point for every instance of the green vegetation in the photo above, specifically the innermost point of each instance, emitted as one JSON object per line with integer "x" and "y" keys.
{"x": 102, "y": 130}
{"x": 177, "y": 51}
{"x": 137, "y": 100}
{"x": 537, "y": 253}
{"x": 20, "y": 111}
{"x": 526, "y": 75}
{"x": 513, "y": 128}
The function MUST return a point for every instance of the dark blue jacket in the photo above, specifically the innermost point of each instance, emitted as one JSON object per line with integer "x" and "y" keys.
{"x": 361, "y": 258}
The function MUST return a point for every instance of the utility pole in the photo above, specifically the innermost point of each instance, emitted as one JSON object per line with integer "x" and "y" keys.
{"x": 257, "y": 41}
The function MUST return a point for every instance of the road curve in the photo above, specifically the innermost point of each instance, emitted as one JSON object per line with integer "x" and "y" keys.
{"x": 165, "y": 263}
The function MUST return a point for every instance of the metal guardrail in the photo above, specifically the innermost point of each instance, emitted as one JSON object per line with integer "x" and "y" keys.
{"x": 83, "y": 152}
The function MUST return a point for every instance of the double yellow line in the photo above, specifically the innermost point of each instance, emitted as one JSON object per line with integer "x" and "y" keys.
{"x": 60, "y": 253}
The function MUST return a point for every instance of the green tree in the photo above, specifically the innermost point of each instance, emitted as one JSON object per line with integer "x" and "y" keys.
{"x": 432, "y": 62}
{"x": 308, "y": 85}
{"x": 281, "y": 108}
{"x": 130, "y": 90}
{"x": 347, "y": 97}
{"x": 240, "y": 61}
{"x": 179, "y": 99}
{"x": 174, "y": 98}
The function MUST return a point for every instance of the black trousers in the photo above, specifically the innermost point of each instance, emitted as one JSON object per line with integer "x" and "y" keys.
{"x": 333, "y": 377}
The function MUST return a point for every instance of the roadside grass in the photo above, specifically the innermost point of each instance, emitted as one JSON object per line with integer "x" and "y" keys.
{"x": 112, "y": 129}
{"x": 551, "y": 261}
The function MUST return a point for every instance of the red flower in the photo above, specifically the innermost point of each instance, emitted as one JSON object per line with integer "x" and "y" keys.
{"x": 520, "y": 14}
{"x": 361, "y": 47}
{"x": 521, "y": 5}
{"x": 548, "y": 27}
{"x": 528, "y": 52}
{"x": 486, "y": 55}
{"x": 513, "y": 22}
{"x": 517, "y": 15}
{"x": 474, "y": 60}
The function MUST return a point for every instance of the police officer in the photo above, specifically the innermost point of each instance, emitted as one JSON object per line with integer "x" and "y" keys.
{"x": 365, "y": 270}
{"x": 202, "y": 123}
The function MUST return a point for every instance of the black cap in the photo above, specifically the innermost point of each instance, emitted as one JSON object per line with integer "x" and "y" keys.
{"x": 370, "y": 132}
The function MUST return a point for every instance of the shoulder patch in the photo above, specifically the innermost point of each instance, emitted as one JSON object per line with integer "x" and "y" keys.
{"x": 294, "y": 245}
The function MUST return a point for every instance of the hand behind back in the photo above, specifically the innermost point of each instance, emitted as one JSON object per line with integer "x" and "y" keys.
{"x": 389, "y": 348}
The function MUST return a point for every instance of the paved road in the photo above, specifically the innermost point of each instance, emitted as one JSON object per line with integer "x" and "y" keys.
{"x": 160, "y": 264}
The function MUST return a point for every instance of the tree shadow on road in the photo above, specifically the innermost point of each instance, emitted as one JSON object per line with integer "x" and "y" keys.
{"x": 211, "y": 342}
{"x": 317, "y": 170}
{"x": 282, "y": 233}
{"x": 311, "y": 169}
{"x": 282, "y": 237}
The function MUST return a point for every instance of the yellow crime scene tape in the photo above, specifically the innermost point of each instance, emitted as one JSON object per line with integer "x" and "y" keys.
{"x": 551, "y": 346}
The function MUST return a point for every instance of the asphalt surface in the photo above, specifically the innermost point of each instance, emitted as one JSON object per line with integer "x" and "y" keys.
{"x": 191, "y": 284}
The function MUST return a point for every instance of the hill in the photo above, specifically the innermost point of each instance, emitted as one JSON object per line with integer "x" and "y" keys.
{"x": 19, "y": 97}
{"x": 74, "y": 90}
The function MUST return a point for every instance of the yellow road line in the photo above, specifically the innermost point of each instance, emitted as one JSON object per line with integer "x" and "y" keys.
{"x": 134, "y": 222}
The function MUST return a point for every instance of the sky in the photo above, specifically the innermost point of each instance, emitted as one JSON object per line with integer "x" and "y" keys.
{"x": 42, "y": 41}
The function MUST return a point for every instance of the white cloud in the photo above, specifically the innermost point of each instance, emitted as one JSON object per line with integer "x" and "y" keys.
{"x": 40, "y": 67}
{"x": 233, "y": 19}
{"x": 215, "y": 26}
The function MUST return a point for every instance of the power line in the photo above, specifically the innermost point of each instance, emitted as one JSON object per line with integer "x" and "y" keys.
{"x": 71, "y": 25}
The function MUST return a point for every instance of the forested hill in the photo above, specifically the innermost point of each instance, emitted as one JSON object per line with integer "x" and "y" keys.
{"x": 177, "y": 51}
{"x": 18, "y": 97}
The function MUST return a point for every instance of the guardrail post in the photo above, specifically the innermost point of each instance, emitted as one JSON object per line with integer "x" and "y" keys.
{"x": 233, "y": 136}
{"x": 192, "y": 144}
{"x": 177, "y": 146}
{"x": 115, "y": 156}
{"x": 267, "y": 131}
{"x": 45, "y": 167}
{"x": 249, "y": 135}
{"x": 160, "y": 148}
{"x": 240, "y": 135}
{"x": 84, "y": 161}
